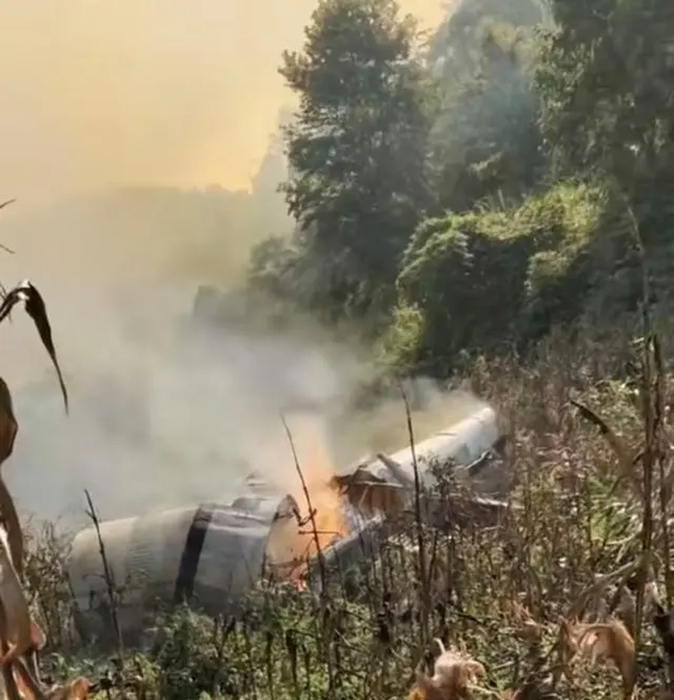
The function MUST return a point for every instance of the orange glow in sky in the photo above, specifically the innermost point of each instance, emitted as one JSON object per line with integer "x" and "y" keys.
{"x": 144, "y": 91}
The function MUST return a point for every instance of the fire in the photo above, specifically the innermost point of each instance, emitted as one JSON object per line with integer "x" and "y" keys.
{"x": 298, "y": 541}
{"x": 313, "y": 454}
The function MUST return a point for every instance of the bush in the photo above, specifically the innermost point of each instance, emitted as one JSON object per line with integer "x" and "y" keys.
{"x": 479, "y": 280}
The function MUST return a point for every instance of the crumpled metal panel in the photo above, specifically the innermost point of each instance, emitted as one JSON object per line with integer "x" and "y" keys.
{"x": 145, "y": 555}
{"x": 234, "y": 550}
{"x": 464, "y": 443}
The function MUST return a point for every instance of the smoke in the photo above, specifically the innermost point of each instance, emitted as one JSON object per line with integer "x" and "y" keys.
{"x": 382, "y": 426}
{"x": 167, "y": 412}
{"x": 140, "y": 92}
{"x": 163, "y": 412}
{"x": 135, "y": 136}
{"x": 136, "y": 139}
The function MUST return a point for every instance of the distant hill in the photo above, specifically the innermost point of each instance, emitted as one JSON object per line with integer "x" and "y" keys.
{"x": 142, "y": 232}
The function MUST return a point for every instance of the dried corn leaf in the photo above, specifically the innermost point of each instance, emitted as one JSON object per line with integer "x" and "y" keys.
{"x": 37, "y": 310}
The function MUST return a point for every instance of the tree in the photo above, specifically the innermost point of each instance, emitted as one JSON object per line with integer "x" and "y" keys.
{"x": 459, "y": 33}
{"x": 356, "y": 151}
{"x": 484, "y": 280}
{"x": 485, "y": 140}
{"x": 606, "y": 80}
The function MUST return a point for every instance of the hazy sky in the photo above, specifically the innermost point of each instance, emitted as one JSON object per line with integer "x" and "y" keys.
{"x": 144, "y": 91}
{"x": 165, "y": 92}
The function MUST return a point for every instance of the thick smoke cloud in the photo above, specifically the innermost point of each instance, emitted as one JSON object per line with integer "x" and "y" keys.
{"x": 135, "y": 136}
{"x": 166, "y": 412}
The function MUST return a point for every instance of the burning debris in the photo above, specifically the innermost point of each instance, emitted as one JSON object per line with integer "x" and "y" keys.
{"x": 212, "y": 555}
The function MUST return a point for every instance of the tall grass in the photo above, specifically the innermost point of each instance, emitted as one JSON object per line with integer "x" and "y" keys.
{"x": 577, "y": 529}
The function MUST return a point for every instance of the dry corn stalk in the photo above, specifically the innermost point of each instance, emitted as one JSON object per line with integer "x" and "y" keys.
{"x": 601, "y": 643}
{"x": 36, "y": 309}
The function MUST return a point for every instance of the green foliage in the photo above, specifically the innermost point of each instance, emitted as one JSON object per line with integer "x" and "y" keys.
{"x": 356, "y": 150}
{"x": 480, "y": 278}
{"x": 485, "y": 139}
{"x": 189, "y": 658}
{"x": 566, "y": 225}
{"x": 473, "y": 201}
{"x": 605, "y": 78}
{"x": 401, "y": 346}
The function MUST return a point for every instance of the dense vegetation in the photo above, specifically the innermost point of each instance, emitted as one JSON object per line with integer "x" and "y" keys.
{"x": 577, "y": 521}
{"x": 492, "y": 204}
{"x": 469, "y": 194}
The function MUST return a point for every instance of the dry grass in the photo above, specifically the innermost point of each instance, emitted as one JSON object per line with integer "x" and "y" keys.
{"x": 496, "y": 594}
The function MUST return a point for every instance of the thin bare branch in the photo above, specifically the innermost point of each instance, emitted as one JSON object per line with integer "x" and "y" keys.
{"x": 312, "y": 513}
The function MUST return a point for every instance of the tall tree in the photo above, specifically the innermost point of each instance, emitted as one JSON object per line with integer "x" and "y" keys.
{"x": 356, "y": 151}
{"x": 485, "y": 140}
{"x": 606, "y": 80}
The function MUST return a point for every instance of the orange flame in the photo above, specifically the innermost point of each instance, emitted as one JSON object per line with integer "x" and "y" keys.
{"x": 297, "y": 542}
